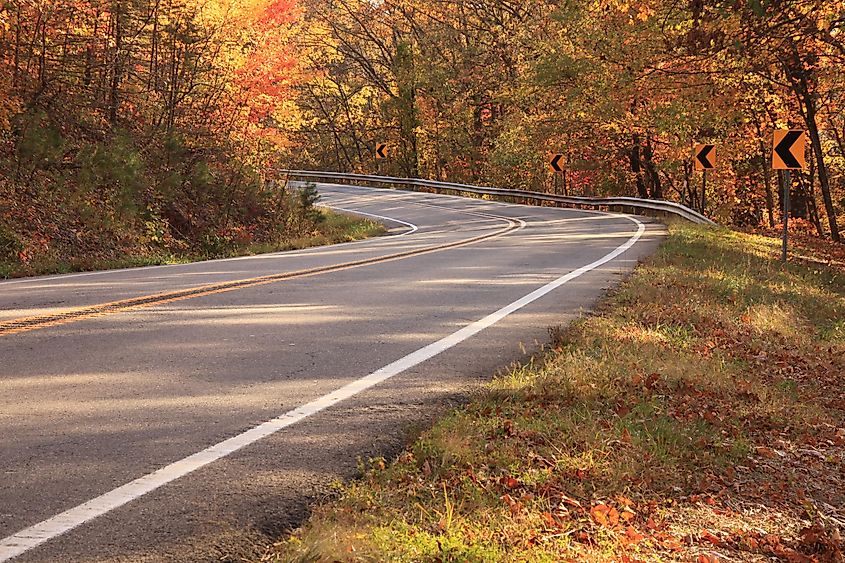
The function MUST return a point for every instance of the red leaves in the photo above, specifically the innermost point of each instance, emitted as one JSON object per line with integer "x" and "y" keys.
{"x": 621, "y": 522}
{"x": 632, "y": 536}
{"x": 279, "y": 13}
{"x": 507, "y": 428}
{"x": 509, "y": 482}
{"x": 515, "y": 506}
{"x": 768, "y": 453}
{"x": 605, "y": 515}
{"x": 649, "y": 382}
{"x": 823, "y": 539}
{"x": 709, "y": 537}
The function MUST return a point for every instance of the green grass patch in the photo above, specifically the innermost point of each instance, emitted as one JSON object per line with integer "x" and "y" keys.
{"x": 674, "y": 424}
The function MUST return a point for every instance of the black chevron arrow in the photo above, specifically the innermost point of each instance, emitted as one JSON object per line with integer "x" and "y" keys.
{"x": 784, "y": 149}
{"x": 380, "y": 151}
{"x": 704, "y": 156}
{"x": 556, "y": 166}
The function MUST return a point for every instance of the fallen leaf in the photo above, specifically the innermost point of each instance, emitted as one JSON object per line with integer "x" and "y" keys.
{"x": 765, "y": 452}
{"x": 624, "y": 501}
{"x": 633, "y": 535}
{"x": 599, "y": 513}
{"x": 571, "y": 501}
{"x": 514, "y": 506}
{"x": 509, "y": 482}
{"x": 613, "y": 517}
{"x": 710, "y": 537}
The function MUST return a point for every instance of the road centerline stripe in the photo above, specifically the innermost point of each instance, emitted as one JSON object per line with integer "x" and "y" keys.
{"x": 39, "y": 533}
{"x": 26, "y": 324}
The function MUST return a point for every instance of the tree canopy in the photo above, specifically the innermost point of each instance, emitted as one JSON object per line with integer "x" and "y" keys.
{"x": 175, "y": 114}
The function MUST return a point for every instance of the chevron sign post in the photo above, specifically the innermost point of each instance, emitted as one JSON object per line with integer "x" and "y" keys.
{"x": 557, "y": 163}
{"x": 704, "y": 159}
{"x": 788, "y": 154}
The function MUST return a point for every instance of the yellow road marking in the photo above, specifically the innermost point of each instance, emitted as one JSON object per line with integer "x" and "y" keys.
{"x": 26, "y": 324}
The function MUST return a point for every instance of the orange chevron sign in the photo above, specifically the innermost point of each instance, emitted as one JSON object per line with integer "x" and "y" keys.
{"x": 705, "y": 157}
{"x": 789, "y": 148}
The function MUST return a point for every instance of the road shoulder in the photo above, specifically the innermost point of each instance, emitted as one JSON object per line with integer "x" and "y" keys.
{"x": 697, "y": 415}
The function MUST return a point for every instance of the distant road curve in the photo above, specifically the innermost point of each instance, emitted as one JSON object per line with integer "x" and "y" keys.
{"x": 192, "y": 412}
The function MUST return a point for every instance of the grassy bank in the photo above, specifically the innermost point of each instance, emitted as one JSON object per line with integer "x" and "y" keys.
{"x": 332, "y": 229}
{"x": 698, "y": 416}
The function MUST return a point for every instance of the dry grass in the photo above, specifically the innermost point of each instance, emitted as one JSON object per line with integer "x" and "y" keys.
{"x": 700, "y": 415}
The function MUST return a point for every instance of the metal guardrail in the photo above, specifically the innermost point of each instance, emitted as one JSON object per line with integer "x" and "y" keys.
{"x": 624, "y": 204}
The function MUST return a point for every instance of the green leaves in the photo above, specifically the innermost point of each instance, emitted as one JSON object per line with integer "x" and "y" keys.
{"x": 757, "y": 7}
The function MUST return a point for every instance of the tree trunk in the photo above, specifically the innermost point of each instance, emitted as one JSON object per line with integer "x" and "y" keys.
{"x": 407, "y": 100}
{"x": 809, "y": 183}
{"x": 686, "y": 195}
{"x": 821, "y": 168}
{"x": 18, "y": 24}
{"x": 636, "y": 166}
{"x": 117, "y": 62}
{"x": 767, "y": 177}
{"x": 656, "y": 186}
{"x": 800, "y": 79}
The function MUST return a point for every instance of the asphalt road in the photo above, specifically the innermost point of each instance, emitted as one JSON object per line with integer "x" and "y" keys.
{"x": 198, "y": 424}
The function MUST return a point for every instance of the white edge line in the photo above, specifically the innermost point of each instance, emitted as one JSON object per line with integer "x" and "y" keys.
{"x": 411, "y": 227}
{"x": 35, "y": 535}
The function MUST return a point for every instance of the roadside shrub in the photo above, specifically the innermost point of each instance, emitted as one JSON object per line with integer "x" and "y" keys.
{"x": 308, "y": 199}
{"x": 39, "y": 145}
{"x": 10, "y": 245}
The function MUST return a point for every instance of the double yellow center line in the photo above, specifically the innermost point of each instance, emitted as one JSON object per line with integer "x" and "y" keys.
{"x": 26, "y": 324}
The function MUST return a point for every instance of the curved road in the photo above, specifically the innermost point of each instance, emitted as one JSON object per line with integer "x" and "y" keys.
{"x": 193, "y": 412}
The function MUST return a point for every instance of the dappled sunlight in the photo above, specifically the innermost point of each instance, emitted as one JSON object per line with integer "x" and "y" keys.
{"x": 570, "y": 219}
{"x": 71, "y": 381}
{"x": 155, "y": 392}
{"x": 558, "y": 237}
{"x": 640, "y": 335}
{"x": 275, "y": 315}
{"x": 181, "y": 374}
{"x": 135, "y": 278}
{"x": 778, "y": 318}
{"x": 11, "y": 314}
{"x": 699, "y": 413}
{"x": 500, "y": 280}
